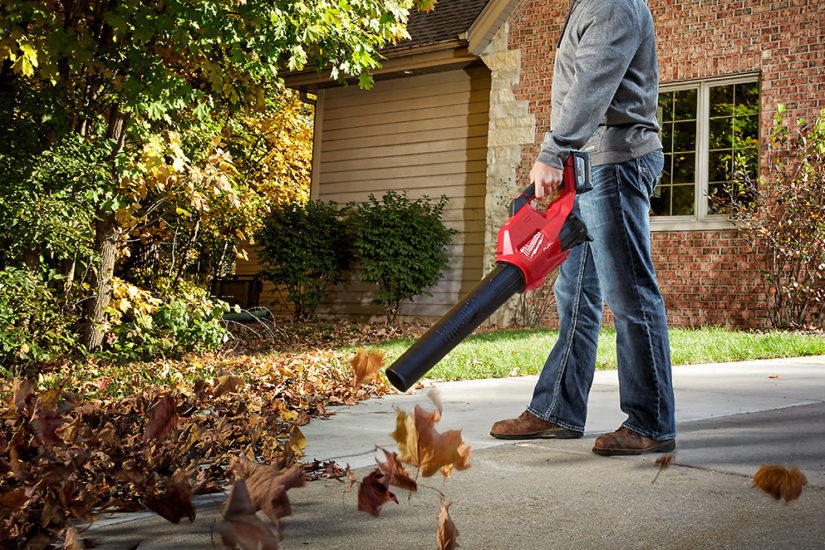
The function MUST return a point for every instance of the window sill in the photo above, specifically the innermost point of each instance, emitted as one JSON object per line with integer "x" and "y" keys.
{"x": 689, "y": 223}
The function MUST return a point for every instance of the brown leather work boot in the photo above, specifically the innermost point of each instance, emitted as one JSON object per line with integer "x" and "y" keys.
{"x": 627, "y": 442}
{"x": 530, "y": 426}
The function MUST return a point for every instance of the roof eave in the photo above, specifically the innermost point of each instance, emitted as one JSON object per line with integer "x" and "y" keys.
{"x": 488, "y": 22}
{"x": 443, "y": 55}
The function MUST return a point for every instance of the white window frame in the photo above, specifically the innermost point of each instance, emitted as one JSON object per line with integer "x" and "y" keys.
{"x": 701, "y": 220}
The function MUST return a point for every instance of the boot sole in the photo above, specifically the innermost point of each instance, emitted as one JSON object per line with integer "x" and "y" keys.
{"x": 553, "y": 434}
{"x": 663, "y": 447}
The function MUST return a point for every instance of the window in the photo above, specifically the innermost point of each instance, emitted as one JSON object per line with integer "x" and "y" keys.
{"x": 706, "y": 126}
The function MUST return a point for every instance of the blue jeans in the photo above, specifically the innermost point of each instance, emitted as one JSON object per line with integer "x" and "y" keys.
{"x": 616, "y": 267}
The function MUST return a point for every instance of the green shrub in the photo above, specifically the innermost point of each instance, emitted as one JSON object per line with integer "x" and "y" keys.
{"x": 402, "y": 246}
{"x": 304, "y": 249}
{"x": 180, "y": 319}
{"x": 781, "y": 216}
{"x": 33, "y": 326}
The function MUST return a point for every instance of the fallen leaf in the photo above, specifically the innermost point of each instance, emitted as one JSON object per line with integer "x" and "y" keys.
{"x": 421, "y": 445}
{"x": 22, "y": 389}
{"x": 663, "y": 462}
{"x": 351, "y": 480}
{"x": 435, "y": 397}
{"x": 227, "y": 383}
{"x": 447, "y": 531}
{"x": 373, "y": 493}
{"x": 72, "y": 540}
{"x": 14, "y": 498}
{"x": 46, "y": 427}
{"x": 365, "y": 364}
{"x": 162, "y": 418}
{"x": 240, "y": 527}
{"x": 779, "y": 482}
{"x": 296, "y": 439}
{"x": 395, "y": 473}
{"x": 267, "y": 485}
{"x": 175, "y": 503}
{"x": 49, "y": 399}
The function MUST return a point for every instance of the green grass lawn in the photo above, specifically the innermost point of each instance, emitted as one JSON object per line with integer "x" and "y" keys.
{"x": 523, "y": 351}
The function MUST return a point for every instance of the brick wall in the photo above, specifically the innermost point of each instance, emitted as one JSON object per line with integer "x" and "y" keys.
{"x": 707, "y": 277}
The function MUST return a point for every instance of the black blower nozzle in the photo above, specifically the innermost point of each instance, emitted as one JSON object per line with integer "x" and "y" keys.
{"x": 530, "y": 245}
{"x": 483, "y": 300}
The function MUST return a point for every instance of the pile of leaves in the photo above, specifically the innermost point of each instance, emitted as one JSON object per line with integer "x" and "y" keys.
{"x": 84, "y": 439}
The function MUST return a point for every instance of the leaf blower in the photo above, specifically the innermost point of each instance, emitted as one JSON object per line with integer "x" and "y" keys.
{"x": 530, "y": 245}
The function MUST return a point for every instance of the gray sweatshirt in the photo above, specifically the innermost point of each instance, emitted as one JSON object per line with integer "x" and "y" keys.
{"x": 605, "y": 84}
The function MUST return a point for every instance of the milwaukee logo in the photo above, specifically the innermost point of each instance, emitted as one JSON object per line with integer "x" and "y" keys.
{"x": 530, "y": 249}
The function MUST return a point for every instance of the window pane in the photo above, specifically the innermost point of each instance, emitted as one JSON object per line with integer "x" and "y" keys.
{"x": 684, "y": 168}
{"x": 720, "y": 133}
{"x": 660, "y": 201}
{"x": 676, "y": 191}
{"x": 747, "y": 98}
{"x": 749, "y": 161}
{"x": 733, "y": 138}
{"x": 685, "y": 105}
{"x": 682, "y": 200}
{"x": 719, "y": 166}
{"x": 684, "y": 136}
{"x": 719, "y": 191}
{"x": 667, "y": 136}
{"x": 665, "y": 111}
{"x": 721, "y": 100}
{"x": 746, "y": 131}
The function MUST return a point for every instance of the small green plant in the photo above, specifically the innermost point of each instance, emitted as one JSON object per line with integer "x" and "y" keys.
{"x": 145, "y": 326}
{"x": 782, "y": 218}
{"x": 402, "y": 246}
{"x": 304, "y": 250}
{"x": 33, "y": 326}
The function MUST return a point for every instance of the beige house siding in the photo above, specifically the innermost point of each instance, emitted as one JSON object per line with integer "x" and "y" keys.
{"x": 426, "y": 134}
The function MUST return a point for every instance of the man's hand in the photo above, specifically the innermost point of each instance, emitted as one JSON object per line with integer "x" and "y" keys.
{"x": 546, "y": 178}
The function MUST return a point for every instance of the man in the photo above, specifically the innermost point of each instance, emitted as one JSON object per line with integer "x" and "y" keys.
{"x": 604, "y": 100}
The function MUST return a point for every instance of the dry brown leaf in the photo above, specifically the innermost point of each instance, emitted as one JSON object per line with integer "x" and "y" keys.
{"x": 176, "y": 501}
{"x": 267, "y": 485}
{"x": 72, "y": 540}
{"x": 435, "y": 397}
{"x": 240, "y": 527}
{"x": 350, "y": 479}
{"x": 14, "y": 498}
{"x": 421, "y": 445}
{"x": 779, "y": 482}
{"x": 373, "y": 493}
{"x": 395, "y": 473}
{"x": 48, "y": 399}
{"x": 365, "y": 364}
{"x": 46, "y": 427}
{"x": 163, "y": 418}
{"x": 297, "y": 440}
{"x": 447, "y": 531}
{"x": 22, "y": 389}
{"x": 227, "y": 383}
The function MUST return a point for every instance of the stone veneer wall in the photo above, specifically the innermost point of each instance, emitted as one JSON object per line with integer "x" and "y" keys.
{"x": 512, "y": 126}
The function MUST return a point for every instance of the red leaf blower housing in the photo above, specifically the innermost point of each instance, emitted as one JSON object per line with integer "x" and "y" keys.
{"x": 531, "y": 244}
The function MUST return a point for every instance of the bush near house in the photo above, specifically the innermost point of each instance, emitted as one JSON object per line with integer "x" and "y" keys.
{"x": 304, "y": 249}
{"x": 782, "y": 217}
{"x": 401, "y": 244}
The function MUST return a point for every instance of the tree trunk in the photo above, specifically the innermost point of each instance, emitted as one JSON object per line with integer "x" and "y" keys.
{"x": 107, "y": 234}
